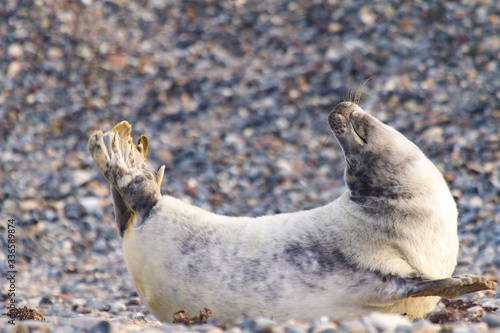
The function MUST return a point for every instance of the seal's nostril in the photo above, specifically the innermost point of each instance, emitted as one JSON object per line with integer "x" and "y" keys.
{"x": 337, "y": 123}
{"x": 331, "y": 118}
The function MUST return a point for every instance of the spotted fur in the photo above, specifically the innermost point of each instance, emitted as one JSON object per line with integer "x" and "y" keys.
{"x": 388, "y": 243}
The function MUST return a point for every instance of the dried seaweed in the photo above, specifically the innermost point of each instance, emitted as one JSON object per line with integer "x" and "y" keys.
{"x": 25, "y": 313}
{"x": 458, "y": 311}
{"x": 180, "y": 317}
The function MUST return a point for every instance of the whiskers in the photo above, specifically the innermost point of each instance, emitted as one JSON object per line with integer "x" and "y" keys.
{"x": 354, "y": 93}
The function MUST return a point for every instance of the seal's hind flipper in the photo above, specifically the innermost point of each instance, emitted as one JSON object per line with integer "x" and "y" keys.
{"x": 396, "y": 289}
{"x": 452, "y": 287}
{"x": 124, "y": 165}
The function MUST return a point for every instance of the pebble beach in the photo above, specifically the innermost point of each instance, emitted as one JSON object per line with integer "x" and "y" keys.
{"x": 234, "y": 98}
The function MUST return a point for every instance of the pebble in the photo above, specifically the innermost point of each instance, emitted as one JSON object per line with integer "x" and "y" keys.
{"x": 492, "y": 319}
{"x": 356, "y": 326}
{"x": 118, "y": 307}
{"x": 84, "y": 310}
{"x": 35, "y": 326}
{"x": 46, "y": 300}
{"x": 138, "y": 316}
{"x": 15, "y": 51}
{"x": 323, "y": 328}
{"x": 234, "y": 329}
{"x": 388, "y": 322}
{"x": 85, "y": 323}
{"x": 234, "y": 98}
{"x": 134, "y": 302}
{"x": 98, "y": 304}
{"x": 476, "y": 311}
{"x": 295, "y": 330}
{"x": 103, "y": 327}
{"x": 78, "y": 302}
{"x": 425, "y": 326}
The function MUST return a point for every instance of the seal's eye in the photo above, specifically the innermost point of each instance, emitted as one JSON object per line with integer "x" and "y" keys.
{"x": 360, "y": 124}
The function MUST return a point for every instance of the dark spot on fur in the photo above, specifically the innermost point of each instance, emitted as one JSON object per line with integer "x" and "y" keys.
{"x": 198, "y": 240}
{"x": 315, "y": 255}
{"x": 309, "y": 284}
{"x": 253, "y": 271}
{"x": 94, "y": 147}
{"x": 370, "y": 177}
{"x": 193, "y": 269}
{"x": 188, "y": 247}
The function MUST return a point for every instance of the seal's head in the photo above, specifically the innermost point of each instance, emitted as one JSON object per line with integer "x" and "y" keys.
{"x": 382, "y": 165}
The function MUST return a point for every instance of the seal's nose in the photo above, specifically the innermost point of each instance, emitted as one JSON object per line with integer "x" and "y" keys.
{"x": 345, "y": 108}
{"x": 337, "y": 122}
{"x": 338, "y": 117}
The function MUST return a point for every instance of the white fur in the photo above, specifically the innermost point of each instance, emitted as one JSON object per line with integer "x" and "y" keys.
{"x": 182, "y": 257}
{"x": 153, "y": 258}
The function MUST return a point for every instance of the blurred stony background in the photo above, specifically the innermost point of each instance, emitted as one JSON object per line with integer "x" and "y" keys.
{"x": 234, "y": 97}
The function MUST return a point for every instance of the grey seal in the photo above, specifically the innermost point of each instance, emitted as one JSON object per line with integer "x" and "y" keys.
{"x": 389, "y": 243}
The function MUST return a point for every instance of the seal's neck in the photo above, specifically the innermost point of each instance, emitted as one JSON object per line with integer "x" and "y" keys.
{"x": 382, "y": 208}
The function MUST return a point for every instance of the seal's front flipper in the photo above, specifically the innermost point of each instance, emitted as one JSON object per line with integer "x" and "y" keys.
{"x": 123, "y": 130}
{"x": 452, "y": 287}
{"x": 124, "y": 165}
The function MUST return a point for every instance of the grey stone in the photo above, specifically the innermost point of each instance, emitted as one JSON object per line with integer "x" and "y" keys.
{"x": 36, "y": 326}
{"x": 388, "y": 321}
{"x": 98, "y": 304}
{"x": 261, "y": 323}
{"x": 291, "y": 329}
{"x": 84, "y": 323}
{"x": 325, "y": 328}
{"x": 103, "y": 327}
{"x": 492, "y": 319}
{"x": 118, "y": 307}
{"x": 46, "y": 300}
{"x": 18, "y": 327}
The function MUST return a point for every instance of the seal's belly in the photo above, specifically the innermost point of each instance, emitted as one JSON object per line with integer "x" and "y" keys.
{"x": 276, "y": 266}
{"x": 236, "y": 280}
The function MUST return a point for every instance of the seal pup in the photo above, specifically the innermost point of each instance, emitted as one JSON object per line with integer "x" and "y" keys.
{"x": 389, "y": 243}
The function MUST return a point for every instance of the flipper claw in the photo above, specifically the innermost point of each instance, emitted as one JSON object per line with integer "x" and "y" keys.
{"x": 159, "y": 175}
{"x": 142, "y": 145}
{"x": 123, "y": 130}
